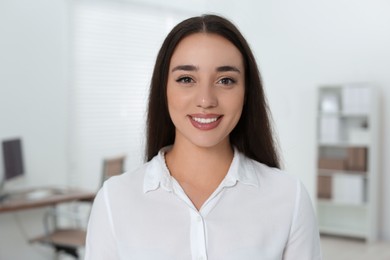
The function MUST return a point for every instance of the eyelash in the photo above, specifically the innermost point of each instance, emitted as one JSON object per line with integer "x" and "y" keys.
{"x": 231, "y": 81}
{"x": 189, "y": 80}
{"x": 185, "y": 80}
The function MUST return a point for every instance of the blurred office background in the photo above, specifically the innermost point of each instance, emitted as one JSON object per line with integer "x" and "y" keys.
{"x": 74, "y": 77}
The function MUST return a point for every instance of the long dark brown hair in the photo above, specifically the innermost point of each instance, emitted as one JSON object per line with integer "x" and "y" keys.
{"x": 253, "y": 135}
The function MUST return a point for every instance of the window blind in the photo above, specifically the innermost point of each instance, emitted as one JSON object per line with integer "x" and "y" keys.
{"x": 115, "y": 45}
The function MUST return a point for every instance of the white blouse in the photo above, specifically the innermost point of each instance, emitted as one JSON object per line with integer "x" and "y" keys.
{"x": 257, "y": 212}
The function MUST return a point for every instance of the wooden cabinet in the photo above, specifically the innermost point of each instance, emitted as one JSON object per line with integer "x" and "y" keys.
{"x": 347, "y": 160}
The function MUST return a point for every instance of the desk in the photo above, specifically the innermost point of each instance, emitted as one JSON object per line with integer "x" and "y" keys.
{"x": 20, "y": 201}
{"x": 61, "y": 239}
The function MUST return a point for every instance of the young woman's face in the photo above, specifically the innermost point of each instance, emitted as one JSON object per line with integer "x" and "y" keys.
{"x": 205, "y": 90}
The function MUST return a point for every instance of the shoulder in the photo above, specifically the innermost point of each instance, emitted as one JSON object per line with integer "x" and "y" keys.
{"x": 145, "y": 177}
{"x": 280, "y": 185}
{"x": 272, "y": 183}
{"x": 126, "y": 182}
{"x": 268, "y": 176}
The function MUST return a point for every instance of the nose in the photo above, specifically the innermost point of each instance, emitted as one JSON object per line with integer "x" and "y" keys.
{"x": 206, "y": 97}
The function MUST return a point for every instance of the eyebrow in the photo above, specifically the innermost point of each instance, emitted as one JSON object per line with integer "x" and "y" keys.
{"x": 186, "y": 68}
{"x": 194, "y": 68}
{"x": 228, "y": 68}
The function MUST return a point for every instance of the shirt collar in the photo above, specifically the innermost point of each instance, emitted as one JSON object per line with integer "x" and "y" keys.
{"x": 241, "y": 170}
{"x": 157, "y": 174}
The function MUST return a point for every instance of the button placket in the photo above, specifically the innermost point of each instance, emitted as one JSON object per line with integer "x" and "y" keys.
{"x": 198, "y": 236}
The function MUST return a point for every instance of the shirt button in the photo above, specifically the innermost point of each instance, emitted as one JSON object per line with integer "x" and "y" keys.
{"x": 199, "y": 219}
{"x": 201, "y": 258}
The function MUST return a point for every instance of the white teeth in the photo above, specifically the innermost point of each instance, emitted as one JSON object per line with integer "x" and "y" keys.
{"x": 205, "y": 120}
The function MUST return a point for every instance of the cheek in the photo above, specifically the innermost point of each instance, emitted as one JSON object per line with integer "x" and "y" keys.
{"x": 172, "y": 98}
{"x": 236, "y": 103}
{"x": 176, "y": 103}
{"x": 178, "y": 98}
{"x": 238, "y": 111}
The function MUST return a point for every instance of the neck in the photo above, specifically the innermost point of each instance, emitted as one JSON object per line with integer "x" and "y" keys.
{"x": 191, "y": 163}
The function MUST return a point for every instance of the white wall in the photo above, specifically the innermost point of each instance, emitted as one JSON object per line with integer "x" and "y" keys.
{"x": 33, "y": 85}
{"x": 33, "y": 106}
{"x": 299, "y": 45}
{"x": 302, "y": 44}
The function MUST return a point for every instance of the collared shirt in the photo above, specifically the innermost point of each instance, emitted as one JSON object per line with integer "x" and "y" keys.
{"x": 257, "y": 212}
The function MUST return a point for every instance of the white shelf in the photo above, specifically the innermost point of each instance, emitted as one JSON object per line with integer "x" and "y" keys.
{"x": 331, "y": 203}
{"x": 343, "y": 219}
{"x": 347, "y": 120}
{"x": 342, "y": 231}
{"x": 344, "y": 144}
{"x": 342, "y": 114}
{"x": 331, "y": 172}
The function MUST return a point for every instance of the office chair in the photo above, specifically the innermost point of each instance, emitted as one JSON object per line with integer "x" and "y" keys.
{"x": 69, "y": 239}
{"x": 112, "y": 166}
{"x": 63, "y": 239}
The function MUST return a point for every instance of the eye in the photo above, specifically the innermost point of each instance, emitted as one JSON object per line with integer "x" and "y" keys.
{"x": 227, "y": 81}
{"x": 185, "y": 80}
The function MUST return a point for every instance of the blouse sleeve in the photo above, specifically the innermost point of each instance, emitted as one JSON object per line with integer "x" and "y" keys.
{"x": 304, "y": 239}
{"x": 100, "y": 243}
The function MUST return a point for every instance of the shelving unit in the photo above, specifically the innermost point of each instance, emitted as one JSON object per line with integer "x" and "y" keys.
{"x": 347, "y": 160}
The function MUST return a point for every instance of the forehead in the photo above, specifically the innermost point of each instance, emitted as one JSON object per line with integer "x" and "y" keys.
{"x": 206, "y": 49}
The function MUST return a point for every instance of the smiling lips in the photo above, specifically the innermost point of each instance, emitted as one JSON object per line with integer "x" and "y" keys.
{"x": 205, "y": 122}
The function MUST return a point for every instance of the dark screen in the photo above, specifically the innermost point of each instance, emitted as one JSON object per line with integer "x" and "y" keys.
{"x": 13, "y": 161}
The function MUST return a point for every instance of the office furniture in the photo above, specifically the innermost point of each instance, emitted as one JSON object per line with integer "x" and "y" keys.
{"x": 50, "y": 197}
{"x": 68, "y": 239}
{"x": 20, "y": 200}
{"x": 113, "y": 166}
{"x": 347, "y": 160}
{"x": 13, "y": 163}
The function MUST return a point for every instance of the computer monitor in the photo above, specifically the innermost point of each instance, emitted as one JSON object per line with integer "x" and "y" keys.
{"x": 12, "y": 160}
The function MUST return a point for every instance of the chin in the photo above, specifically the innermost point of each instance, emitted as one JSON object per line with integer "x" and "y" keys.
{"x": 207, "y": 143}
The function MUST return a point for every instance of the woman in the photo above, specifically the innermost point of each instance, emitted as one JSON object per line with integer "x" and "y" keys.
{"x": 211, "y": 188}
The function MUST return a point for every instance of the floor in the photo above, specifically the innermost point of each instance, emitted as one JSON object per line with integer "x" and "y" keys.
{"x": 346, "y": 249}
{"x": 334, "y": 248}
{"x": 15, "y": 230}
